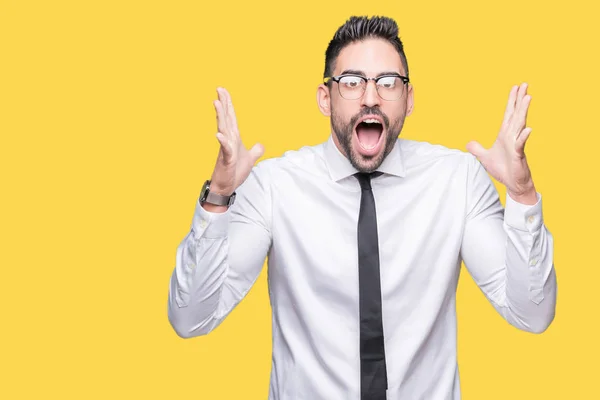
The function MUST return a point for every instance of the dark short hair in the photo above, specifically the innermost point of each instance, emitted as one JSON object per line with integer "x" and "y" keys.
{"x": 358, "y": 28}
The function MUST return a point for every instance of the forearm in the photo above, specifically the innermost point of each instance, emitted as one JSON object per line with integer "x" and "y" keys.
{"x": 220, "y": 259}
{"x": 199, "y": 275}
{"x": 510, "y": 253}
{"x": 530, "y": 291}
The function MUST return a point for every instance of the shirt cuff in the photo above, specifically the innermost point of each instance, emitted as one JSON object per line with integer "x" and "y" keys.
{"x": 524, "y": 217}
{"x": 208, "y": 224}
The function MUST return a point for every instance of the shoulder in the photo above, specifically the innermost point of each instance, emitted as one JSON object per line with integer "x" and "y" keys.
{"x": 422, "y": 153}
{"x": 306, "y": 158}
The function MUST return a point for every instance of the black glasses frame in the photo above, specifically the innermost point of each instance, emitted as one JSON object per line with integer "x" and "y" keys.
{"x": 337, "y": 79}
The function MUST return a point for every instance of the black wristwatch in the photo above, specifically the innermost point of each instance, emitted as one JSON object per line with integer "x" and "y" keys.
{"x": 212, "y": 198}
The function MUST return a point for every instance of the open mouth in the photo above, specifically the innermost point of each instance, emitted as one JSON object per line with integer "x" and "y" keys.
{"x": 369, "y": 132}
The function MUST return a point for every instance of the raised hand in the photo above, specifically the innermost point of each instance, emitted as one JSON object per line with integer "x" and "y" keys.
{"x": 505, "y": 161}
{"x": 234, "y": 161}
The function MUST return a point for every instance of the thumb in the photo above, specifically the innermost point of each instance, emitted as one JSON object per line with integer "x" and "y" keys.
{"x": 225, "y": 147}
{"x": 475, "y": 148}
{"x": 256, "y": 152}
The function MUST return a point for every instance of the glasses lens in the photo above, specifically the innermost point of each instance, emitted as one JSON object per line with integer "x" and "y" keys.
{"x": 351, "y": 87}
{"x": 390, "y": 87}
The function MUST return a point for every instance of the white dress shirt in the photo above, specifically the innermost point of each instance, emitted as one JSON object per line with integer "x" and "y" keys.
{"x": 436, "y": 207}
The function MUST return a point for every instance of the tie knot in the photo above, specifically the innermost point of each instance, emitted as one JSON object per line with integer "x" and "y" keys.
{"x": 364, "y": 178}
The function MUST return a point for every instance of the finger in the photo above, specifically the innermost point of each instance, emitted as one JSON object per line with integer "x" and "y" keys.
{"x": 525, "y": 109}
{"x": 222, "y": 99}
{"x": 520, "y": 119}
{"x": 221, "y": 125}
{"x": 522, "y": 139}
{"x": 510, "y": 105}
{"x": 232, "y": 119}
{"x": 521, "y": 95}
{"x": 224, "y": 106}
{"x": 256, "y": 152}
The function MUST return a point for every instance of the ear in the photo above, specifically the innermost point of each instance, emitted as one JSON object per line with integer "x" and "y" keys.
{"x": 324, "y": 100}
{"x": 410, "y": 100}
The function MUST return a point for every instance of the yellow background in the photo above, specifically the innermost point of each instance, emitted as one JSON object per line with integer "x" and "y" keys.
{"x": 107, "y": 134}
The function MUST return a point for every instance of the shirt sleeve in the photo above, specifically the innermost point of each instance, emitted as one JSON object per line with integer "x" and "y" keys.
{"x": 509, "y": 253}
{"x": 220, "y": 258}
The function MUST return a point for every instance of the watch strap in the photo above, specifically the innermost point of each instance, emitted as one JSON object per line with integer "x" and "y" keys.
{"x": 217, "y": 199}
{"x": 206, "y": 196}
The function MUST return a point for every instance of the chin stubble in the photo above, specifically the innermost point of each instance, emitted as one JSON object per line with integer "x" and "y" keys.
{"x": 344, "y": 134}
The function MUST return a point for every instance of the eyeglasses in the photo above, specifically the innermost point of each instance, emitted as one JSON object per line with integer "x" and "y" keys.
{"x": 352, "y": 87}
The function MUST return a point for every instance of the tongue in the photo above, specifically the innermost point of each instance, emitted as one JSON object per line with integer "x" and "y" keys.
{"x": 368, "y": 136}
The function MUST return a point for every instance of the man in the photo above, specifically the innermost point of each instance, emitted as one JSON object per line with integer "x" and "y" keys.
{"x": 365, "y": 234}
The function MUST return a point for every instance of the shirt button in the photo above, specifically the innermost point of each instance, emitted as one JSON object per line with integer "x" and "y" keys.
{"x": 530, "y": 219}
{"x": 203, "y": 223}
{"x": 533, "y": 261}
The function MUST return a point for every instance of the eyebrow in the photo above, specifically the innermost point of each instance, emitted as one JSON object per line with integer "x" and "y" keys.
{"x": 361, "y": 73}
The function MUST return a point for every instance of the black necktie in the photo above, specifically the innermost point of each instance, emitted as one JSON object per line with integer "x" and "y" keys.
{"x": 373, "y": 374}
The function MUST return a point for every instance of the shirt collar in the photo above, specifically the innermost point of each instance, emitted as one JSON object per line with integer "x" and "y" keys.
{"x": 340, "y": 167}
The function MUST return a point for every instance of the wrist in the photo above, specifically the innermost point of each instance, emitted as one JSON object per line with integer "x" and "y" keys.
{"x": 215, "y": 199}
{"x": 219, "y": 187}
{"x": 221, "y": 191}
{"x": 528, "y": 197}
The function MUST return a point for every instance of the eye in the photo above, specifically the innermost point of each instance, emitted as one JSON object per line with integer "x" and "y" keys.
{"x": 351, "y": 82}
{"x": 388, "y": 82}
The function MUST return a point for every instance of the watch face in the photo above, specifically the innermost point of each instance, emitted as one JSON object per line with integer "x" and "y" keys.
{"x": 213, "y": 198}
{"x": 204, "y": 192}
{"x": 231, "y": 200}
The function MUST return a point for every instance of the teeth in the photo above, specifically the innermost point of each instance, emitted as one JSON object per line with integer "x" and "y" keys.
{"x": 372, "y": 121}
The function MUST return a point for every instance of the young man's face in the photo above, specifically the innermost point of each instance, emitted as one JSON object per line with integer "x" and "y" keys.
{"x": 366, "y": 144}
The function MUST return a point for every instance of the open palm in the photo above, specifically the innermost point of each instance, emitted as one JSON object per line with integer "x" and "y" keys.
{"x": 505, "y": 161}
{"x": 234, "y": 161}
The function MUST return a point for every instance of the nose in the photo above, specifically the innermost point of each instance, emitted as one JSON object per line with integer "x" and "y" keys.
{"x": 370, "y": 97}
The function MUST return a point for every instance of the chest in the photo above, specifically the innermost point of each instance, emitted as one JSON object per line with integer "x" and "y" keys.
{"x": 419, "y": 227}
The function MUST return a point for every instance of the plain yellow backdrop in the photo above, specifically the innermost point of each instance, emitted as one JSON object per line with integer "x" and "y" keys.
{"x": 107, "y": 134}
